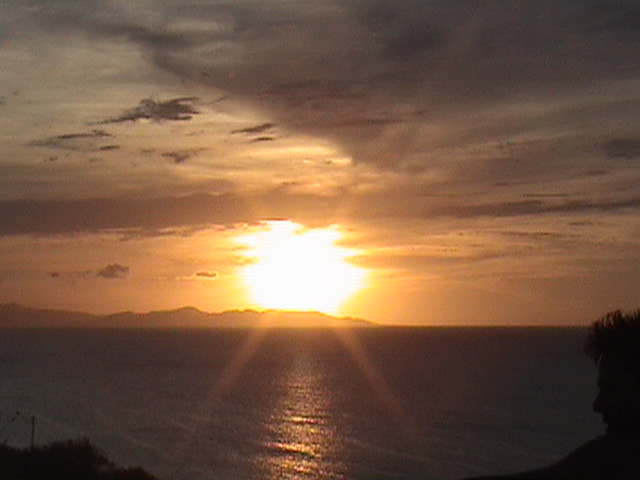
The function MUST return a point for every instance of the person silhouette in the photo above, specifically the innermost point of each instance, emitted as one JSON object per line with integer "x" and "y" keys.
{"x": 614, "y": 345}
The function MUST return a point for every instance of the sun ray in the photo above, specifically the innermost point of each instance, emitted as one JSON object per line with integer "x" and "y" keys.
{"x": 219, "y": 387}
{"x": 376, "y": 381}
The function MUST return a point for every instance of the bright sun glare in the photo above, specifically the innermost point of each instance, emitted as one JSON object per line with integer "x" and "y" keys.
{"x": 294, "y": 268}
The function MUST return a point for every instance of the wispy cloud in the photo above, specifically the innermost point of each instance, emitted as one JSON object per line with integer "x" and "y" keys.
{"x": 181, "y": 156}
{"x": 201, "y": 275}
{"x": 262, "y": 139}
{"x": 206, "y": 274}
{"x": 263, "y": 127}
{"x": 177, "y": 109}
{"x": 82, "y": 142}
{"x": 113, "y": 271}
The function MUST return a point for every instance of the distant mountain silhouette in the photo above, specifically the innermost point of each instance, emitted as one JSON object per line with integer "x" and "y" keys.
{"x": 16, "y": 316}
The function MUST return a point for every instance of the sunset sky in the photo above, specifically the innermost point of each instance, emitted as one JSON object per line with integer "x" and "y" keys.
{"x": 470, "y": 162}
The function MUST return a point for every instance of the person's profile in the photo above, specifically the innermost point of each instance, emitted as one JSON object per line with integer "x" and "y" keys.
{"x": 614, "y": 345}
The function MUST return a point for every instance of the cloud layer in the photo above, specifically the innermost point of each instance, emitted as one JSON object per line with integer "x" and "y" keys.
{"x": 418, "y": 87}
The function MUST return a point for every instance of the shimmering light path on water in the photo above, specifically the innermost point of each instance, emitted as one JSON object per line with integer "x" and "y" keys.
{"x": 378, "y": 404}
{"x": 304, "y": 439}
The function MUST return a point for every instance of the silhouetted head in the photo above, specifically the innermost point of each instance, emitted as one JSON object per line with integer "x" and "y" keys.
{"x": 614, "y": 345}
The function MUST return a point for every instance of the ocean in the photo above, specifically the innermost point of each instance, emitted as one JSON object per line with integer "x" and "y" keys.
{"x": 380, "y": 403}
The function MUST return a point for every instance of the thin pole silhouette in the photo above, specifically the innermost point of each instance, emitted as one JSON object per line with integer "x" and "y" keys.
{"x": 33, "y": 431}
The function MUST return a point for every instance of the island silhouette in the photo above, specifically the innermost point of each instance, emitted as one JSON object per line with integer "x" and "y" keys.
{"x": 16, "y": 316}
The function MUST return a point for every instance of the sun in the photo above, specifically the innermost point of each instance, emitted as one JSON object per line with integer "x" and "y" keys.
{"x": 295, "y": 268}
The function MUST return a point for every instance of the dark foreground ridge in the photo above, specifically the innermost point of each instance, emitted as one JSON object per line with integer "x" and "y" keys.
{"x": 70, "y": 460}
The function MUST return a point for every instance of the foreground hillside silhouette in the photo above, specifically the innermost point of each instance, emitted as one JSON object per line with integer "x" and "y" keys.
{"x": 71, "y": 460}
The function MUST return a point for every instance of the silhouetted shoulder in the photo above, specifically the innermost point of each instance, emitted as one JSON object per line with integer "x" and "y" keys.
{"x": 610, "y": 457}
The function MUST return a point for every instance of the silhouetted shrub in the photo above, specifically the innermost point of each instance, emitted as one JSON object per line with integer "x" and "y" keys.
{"x": 70, "y": 460}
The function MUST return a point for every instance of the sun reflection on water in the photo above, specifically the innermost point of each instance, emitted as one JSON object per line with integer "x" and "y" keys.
{"x": 302, "y": 439}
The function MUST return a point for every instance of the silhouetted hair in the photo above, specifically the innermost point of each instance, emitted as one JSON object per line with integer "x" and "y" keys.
{"x": 616, "y": 334}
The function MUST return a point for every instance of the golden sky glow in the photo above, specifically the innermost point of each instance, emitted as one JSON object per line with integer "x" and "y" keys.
{"x": 487, "y": 179}
{"x": 293, "y": 268}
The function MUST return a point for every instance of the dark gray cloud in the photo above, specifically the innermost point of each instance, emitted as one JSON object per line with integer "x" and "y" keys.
{"x": 256, "y": 133}
{"x": 623, "y": 147}
{"x": 503, "y": 92}
{"x": 73, "y": 136}
{"x": 152, "y": 216}
{"x": 73, "y": 275}
{"x": 254, "y": 130}
{"x": 65, "y": 216}
{"x": 262, "y": 139}
{"x": 206, "y": 274}
{"x": 180, "y": 156}
{"x": 401, "y": 38}
{"x": 613, "y": 16}
{"x": 82, "y": 142}
{"x": 113, "y": 271}
{"x": 107, "y": 148}
{"x": 177, "y": 109}
{"x": 535, "y": 207}
{"x": 377, "y": 76}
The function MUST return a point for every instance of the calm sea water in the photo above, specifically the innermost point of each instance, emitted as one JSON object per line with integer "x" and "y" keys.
{"x": 394, "y": 403}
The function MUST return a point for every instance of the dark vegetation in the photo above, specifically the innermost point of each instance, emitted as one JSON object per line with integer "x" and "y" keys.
{"x": 70, "y": 460}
